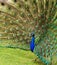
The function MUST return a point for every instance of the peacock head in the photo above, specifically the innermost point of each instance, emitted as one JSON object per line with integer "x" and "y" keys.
{"x": 32, "y": 34}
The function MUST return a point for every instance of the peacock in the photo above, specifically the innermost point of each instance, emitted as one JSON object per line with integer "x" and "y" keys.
{"x": 32, "y": 43}
{"x": 22, "y": 19}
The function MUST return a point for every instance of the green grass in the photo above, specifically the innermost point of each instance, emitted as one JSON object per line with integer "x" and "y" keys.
{"x": 9, "y": 56}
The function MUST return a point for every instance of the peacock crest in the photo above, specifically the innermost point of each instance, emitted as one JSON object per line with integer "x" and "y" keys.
{"x": 18, "y": 18}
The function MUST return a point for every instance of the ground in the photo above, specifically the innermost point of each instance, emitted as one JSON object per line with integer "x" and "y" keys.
{"x": 10, "y": 56}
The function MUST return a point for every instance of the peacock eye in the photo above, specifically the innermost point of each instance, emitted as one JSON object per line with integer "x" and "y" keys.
{"x": 25, "y": 0}
{"x": 52, "y": 3}
{"x": 9, "y": 8}
{"x": 2, "y": 4}
{"x": 20, "y": 5}
{"x": 15, "y": 0}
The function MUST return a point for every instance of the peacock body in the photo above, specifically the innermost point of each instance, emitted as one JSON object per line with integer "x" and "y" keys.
{"x": 18, "y": 18}
{"x": 32, "y": 43}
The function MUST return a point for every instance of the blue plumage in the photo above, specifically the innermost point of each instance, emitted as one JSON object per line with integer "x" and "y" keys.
{"x": 32, "y": 43}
